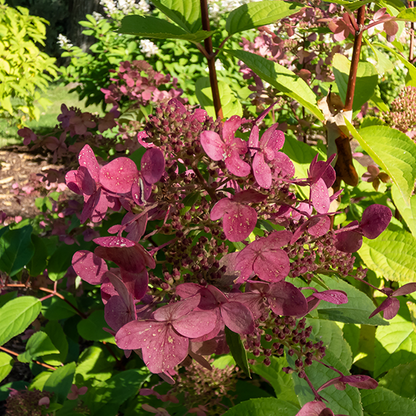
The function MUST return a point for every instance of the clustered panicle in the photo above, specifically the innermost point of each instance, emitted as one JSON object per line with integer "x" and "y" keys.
{"x": 402, "y": 115}
{"x": 276, "y": 334}
{"x": 207, "y": 388}
{"x": 26, "y": 402}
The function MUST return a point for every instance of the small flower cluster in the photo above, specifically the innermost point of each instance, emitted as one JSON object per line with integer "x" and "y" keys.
{"x": 402, "y": 114}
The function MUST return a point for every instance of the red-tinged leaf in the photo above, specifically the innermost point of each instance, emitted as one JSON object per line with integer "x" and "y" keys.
{"x": 152, "y": 165}
{"x": 286, "y": 299}
{"x": 253, "y": 140}
{"x": 237, "y": 317}
{"x": 375, "y": 220}
{"x": 89, "y": 267}
{"x": 119, "y": 175}
{"x": 196, "y": 324}
{"x": 88, "y": 160}
{"x": 212, "y": 144}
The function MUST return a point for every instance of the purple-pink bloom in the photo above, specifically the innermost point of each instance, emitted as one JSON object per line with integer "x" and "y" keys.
{"x": 266, "y": 154}
{"x": 228, "y": 148}
{"x": 358, "y": 381}
{"x": 239, "y": 219}
{"x": 89, "y": 267}
{"x": 374, "y": 221}
{"x": 337, "y": 297}
{"x": 391, "y": 305}
{"x": 164, "y": 340}
{"x": 75, "y": 392}
{"x": 265, "y": 258}
{"x": 316, "y": 408}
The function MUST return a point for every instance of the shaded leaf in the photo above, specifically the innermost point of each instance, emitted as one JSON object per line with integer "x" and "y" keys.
{"x": 237, "y": 350}
{"x": 407, "y": 212}
{"x": 263, "y": 407}
{"x": 60, "y": 381}
{"x": 6, "y": 365}
{"x": 401, "y": 380}
{"x": 39, "y": 344}
{"x": 16, "y": 249}
{"x": 91, "y": 328}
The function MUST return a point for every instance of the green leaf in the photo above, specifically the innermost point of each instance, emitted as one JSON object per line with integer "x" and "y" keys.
{"x": 405, "y": 62}
{"x": 57, "y": 335}
{"x": 350, "y": 5}
{"x": 391, "y": 255}
{"x": 16, "y": 249}
{"x": 185, "y": 13}
{"x": 107, "y": 396}
{"x": 338, "y": 355}
{"x": 38, "y": 262}
{"x": 39, "y": 381}
{"x": 17, "y": 315}
{"x": 237, "y": 350}
{"x": 407, "y": 212}
{"x": 281, "y": 382}
{"x": 393, "y": 151}
{"x": 60, "y": 381}
{"x": 57, "y": 309}
{"x": 395, "y": 344}
{"x": 401, "y": 380}
{"x": 367, "y": 79}
{"x": 268, "y": 406}
{"x": 383, "y": 402}
{"x": 6, "y": 365}
{"x": 230, "y": 104}
{"x": 39, "y": 344}
{"x": 223, "y": 361}
{"x": 281, "y": 78}
{"x": 91, "y": 328}
{"x": 94, "y": 366}
{"x": 6, "y": 297}
{"x": 255, "y": 14}
{"x": 60, "y": 261}
{"x": 408, "y": 15}
{"x": 154, "y": 28}
{"x": 356, "y": 311}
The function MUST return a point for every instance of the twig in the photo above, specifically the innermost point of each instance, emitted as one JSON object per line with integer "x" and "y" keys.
{"x": 37, "y": 362}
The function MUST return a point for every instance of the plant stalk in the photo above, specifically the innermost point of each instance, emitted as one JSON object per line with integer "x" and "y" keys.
{"x": 211, "y": 61}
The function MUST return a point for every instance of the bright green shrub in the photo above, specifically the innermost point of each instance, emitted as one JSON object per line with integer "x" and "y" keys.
{"x": 24, "y": 69}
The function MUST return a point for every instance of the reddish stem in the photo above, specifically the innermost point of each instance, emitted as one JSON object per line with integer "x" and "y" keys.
{"x": 355, "y": 59}
{"x": 211, "y": 61}
{"x": 37, "y": 362}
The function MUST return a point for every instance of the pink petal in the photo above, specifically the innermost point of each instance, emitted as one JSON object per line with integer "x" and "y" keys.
{"x": 196, "y": 324}
{"x": 390, "y": 306}
{"x": 348, "y": 241}
{"x": 283, "y": 165}
{"x": 253, "y": 140}
{"x": 152, "y": 165}
{"x": 319, "y": 226}
{"x": 237, "y": 166}
{"x": 375, "y": 220}
{"x": 85, "y": 180}
{"x": 119, "y": 175}
{"x": 320, "y": 197}
{"x": 239, "y": 222}
{"x": 405, "y": 289}
{"x": 71, "y": 180}
{"x": 87, "y": 159}
{"x": 229, "y": 128}
{"x": 186, "y": 290}
{"x": 314, "y": 408}
{"x": 361, "y": 382}
{"x": 114, "y": 242}
{"x": 249, "y": 196}
{"x": 136, "y": 283}
{"x": 272, "y": 265}
{"x": 262, "y": 171}
{"x": 213, "y": 145}
{"x": 337, "y": 297}
{"x": 237, "y": 317}
{"x": 89, "y": 267}
{"x": 177, "y": 310}
{"x": 220, "y": 209}
{"x": 286, "y": 299}
{"x": 116, "y": 313}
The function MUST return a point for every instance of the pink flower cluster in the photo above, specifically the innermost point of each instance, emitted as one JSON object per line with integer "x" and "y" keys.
{"x": 165, "y": 320}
